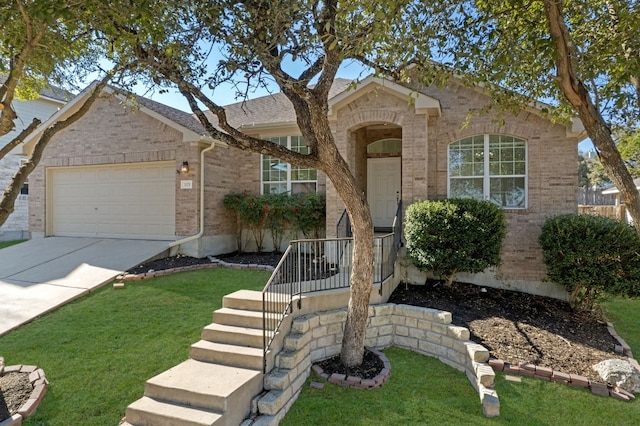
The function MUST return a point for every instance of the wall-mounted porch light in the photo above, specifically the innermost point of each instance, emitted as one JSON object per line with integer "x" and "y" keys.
{"x": 184, "y": 168}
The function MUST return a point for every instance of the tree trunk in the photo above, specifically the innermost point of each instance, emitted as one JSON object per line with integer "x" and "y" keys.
{"x": 362, "y": 259}
{"x": 597, "y": 129}
{"x": 20, "y": 177}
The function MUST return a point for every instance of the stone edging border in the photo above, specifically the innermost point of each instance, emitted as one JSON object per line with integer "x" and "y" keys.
{"x": 357, "y": 382}
{"x": 215, "y": 263}
{"x": 548, "y": 374}
{"x": 39, "y": 383}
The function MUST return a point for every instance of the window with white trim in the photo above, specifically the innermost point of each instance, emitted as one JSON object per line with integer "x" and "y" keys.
{"x": 279, "y": 176}
{"x": 489, "y": 167}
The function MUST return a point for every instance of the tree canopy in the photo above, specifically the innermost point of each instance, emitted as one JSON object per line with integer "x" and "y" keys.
{"x": 582, "y": 56}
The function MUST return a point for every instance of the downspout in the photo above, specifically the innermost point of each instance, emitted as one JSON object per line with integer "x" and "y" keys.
{"x": 176, "y": 244}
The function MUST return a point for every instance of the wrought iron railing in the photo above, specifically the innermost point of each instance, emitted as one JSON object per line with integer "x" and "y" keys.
{"x": 343, "y": 228}
{"x": 387, "y": 247}
{"x": 307, "y": 266}
{"x": 316, "y": 265}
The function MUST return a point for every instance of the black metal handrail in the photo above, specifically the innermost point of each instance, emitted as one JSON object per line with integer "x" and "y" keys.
{"x": 343, "y": 228}
{"x": 307, "y": 266}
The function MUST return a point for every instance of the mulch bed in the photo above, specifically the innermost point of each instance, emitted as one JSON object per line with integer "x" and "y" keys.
{"x": 519, "y": 327}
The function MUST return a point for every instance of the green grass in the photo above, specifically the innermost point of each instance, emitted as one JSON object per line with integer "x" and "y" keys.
{"x": 624, "y": 313}
{"x": 424, "y": 391}
{"x": 4, "y": 244}
{"x": 98, "y": 352}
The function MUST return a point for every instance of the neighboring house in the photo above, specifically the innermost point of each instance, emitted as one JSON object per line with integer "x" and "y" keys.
{"x": 50, "y": 101}
{"x": 117, "y": 171}
{"x": 619, "y": 201}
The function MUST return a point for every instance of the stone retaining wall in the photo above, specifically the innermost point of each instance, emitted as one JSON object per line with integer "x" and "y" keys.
{"x": 315, "y": 337}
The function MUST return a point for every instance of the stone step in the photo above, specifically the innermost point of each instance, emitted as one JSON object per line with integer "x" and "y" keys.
{"x": 149, "y": 412}
{"x": 231, "y": 355}
{"x": 240, "y": 317}
{"x": 212, "y": 387}
{"x": 250, "y": 300}
{"x": 247, "y": 300}
{"x": 232, "y": 335}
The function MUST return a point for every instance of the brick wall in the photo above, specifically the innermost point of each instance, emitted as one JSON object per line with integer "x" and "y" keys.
{"x": 552, "y": 159}
{"x": 113, "y": 133}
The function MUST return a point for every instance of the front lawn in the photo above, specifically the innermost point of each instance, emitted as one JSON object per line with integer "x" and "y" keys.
{"x": 424, "y": 391}
{"x": 98, "y": 352}
{"x": 4, "y": 244}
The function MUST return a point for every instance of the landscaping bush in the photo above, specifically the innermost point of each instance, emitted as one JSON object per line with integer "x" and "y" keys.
{"x": 589, "y": 255}
{"x": 454, "y": 235}
{"x": 277, "y": 217}
{"x": 301, "y": 214}
{"x": 307, "y": 214}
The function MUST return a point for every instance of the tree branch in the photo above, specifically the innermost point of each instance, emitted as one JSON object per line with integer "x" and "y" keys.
{"x": 20, "y": 138}
{"x": 20, "y": 177}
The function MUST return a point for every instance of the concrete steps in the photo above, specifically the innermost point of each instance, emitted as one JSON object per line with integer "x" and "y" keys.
{"x": 236, "y": 356}
{"x": 216, "y": 385}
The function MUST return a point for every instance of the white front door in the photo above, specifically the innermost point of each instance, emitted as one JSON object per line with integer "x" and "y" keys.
{"x": 384, "y": 184}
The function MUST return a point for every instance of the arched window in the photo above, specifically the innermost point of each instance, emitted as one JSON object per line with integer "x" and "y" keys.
{"x": 489, "y": 167}
{"x": 385, "y": 146}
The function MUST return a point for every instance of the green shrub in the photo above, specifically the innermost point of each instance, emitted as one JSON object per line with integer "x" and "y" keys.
{"x": 307, "y": 214}
{"x": 234, "y": 202}
{"x": 276, "y": 217}
{"x": 301, "y": 214}
{"x": 589, "y": 255}
{"x": 454, "y": 235}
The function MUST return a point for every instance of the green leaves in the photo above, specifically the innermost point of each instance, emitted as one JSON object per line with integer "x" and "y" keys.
{"x": 589, "y": 255}
{"x": 455, "y": 235}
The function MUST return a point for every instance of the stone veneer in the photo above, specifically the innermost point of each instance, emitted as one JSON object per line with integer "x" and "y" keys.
{"x": 318, "y": 336}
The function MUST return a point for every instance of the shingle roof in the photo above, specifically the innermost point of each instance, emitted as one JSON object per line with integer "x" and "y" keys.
{"x": 275, "y": 108}
{"x": 182, "y": 118}
{"x": 56, "y": 93}
{"x": 51, "y": 92}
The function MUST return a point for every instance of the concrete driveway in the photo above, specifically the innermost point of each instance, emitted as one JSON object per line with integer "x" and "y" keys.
{"x": 42, "y": 274}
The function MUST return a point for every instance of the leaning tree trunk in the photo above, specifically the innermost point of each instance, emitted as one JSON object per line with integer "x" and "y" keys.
{"x": 595, "y": 125}
{"x": 12, "y": 191}
{"x": 357, "y": 207}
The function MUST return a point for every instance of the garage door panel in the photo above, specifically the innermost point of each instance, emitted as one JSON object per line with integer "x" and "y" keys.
{"x": 133, "y": 201}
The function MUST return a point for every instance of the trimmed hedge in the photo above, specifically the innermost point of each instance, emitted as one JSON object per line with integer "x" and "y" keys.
{"x": 591, "y": 255}
{"x": 454, "y": 235}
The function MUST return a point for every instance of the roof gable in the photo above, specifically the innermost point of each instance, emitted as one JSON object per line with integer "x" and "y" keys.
{"x": 423, "y": 103}
{"x": 183, "y": 122}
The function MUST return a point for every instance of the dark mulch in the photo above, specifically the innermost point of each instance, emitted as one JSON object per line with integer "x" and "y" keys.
{"x": 518, "y": 327}
{"x": 270, "y": 259}
{"x": 371, "y": 366}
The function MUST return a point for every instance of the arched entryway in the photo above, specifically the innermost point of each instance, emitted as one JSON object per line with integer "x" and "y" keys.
{"x": 379, "y": 170}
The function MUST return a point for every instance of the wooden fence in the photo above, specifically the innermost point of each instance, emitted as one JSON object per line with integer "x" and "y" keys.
{"x": 614, "y": 212}
{"x": 594, "y": 197}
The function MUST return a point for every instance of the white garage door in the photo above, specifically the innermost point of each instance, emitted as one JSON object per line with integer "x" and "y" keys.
{"x": 118, "y": 201}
